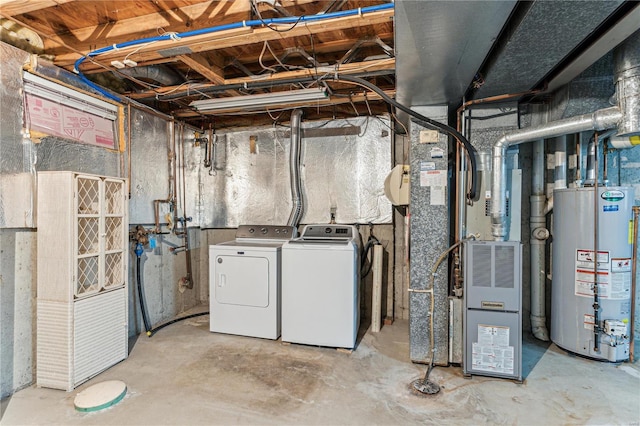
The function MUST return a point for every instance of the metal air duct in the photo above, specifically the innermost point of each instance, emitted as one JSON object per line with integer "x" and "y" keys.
{"x": 294, "y": 169}
{"x": 627, "y": 75}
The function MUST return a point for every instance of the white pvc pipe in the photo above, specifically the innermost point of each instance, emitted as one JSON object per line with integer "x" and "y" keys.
{"x": 376, "y": 303}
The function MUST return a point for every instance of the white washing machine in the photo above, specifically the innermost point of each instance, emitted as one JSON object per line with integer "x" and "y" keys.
{"x": 244, "y": 281}
{"x": 320, "y": 281}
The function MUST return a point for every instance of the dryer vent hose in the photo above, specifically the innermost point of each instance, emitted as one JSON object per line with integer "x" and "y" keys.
{"x": 294, "y": 169}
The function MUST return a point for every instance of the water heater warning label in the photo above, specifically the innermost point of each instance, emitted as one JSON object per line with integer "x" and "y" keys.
{"x": 492, "y": 351}
{"x": 613, "y": 275}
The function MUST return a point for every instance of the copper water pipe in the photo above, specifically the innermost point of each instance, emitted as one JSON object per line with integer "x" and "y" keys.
{"x": 494, "y": 99}
{"x": 634, "y": 271}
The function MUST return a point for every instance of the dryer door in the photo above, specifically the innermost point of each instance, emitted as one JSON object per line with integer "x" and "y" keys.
{"x": 242, "y": 280}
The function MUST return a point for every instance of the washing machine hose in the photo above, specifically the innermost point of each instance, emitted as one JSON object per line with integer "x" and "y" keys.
{"x": 372, "y": 241}
{"x": 139, "y": 250}
{"x": 147, "y": 324}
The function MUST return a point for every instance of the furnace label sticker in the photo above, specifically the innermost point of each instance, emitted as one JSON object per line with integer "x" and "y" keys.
{"x": 492, "y": 352}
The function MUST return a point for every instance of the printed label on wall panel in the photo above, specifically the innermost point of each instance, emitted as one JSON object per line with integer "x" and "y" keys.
{"x": 492, "y": 352}
{"x": 59, "y": 120}
{"x": 436, "y": 180}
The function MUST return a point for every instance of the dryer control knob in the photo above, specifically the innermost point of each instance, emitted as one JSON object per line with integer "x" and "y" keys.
{"x": 264, "y": 230}
{"x": 327, "y": 230}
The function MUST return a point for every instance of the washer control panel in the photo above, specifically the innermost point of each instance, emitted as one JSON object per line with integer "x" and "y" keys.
{"x": 329, "y": 231}
{"x": 266, "y": 232}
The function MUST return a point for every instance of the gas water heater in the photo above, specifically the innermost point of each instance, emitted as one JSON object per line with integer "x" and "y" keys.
{"x": 591, "y": 283}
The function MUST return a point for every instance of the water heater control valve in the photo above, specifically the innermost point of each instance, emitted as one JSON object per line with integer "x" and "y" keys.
{"x": 615, "y": 328}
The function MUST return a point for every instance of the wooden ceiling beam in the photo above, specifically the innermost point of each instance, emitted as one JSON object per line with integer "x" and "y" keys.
{"x": 18, "y": 7}
{"x": 341, "y": 46}
{"x": 346, "y": 69}
{"x": 200, "y": 65}
{"x": 200, "y": 15}
{"x": 213, "y": 73}
{"x": 229, "y": 38}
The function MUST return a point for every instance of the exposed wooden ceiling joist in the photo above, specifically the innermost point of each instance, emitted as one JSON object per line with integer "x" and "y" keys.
{"x": 229, "y": 38}
{"x": 18, "y": 7}
{"x": 202, "y": 66}
{"x": 223, "y": 63}
{"x": 167, "y": 17}
{"x": 312, "y": 73}
{"x": 340, "y": 45}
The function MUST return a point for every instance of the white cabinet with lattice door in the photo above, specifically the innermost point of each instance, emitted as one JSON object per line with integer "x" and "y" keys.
{"x": 82, "y": 277}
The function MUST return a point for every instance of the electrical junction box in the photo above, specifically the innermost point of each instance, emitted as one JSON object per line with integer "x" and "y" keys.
{"x": 492, "y": 323}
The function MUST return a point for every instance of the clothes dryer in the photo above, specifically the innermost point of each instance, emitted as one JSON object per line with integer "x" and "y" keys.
{"x": 245, "y": 281}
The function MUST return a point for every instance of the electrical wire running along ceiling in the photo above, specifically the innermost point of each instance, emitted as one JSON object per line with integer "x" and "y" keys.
{"x": 173, "y": 54}
{"x": 170, "y": 53}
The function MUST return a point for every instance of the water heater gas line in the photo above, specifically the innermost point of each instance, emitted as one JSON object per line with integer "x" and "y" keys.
{"x": 596, "y": 303}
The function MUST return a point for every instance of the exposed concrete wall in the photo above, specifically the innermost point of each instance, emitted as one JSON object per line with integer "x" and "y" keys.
{"x": 161, "y": 273}
{"x": 17, "y": 309}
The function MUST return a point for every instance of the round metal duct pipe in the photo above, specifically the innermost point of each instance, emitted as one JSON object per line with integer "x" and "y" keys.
{"x": 294, "y": 169}
{"x": 627, "y": 75}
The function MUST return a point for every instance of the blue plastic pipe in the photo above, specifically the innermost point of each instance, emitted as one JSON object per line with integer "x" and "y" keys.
{"x": 209, "y": 30}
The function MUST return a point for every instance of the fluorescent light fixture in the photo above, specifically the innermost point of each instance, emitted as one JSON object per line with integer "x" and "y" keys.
{"x": 55, "y": 92}
{"x": 251, "y": 102}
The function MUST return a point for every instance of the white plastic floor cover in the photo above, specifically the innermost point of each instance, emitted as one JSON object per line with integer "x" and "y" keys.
{"x": 100, "y": 396}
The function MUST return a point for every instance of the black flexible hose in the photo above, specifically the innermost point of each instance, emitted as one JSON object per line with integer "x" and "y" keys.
{"x": 173, "y": 321}
{"x": 145, "y": 318}
{"x": 371, "y": 241}
{"x": 423, "y": 121}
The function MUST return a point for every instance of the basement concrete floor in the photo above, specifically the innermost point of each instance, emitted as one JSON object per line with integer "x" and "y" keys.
{"x": 186, "y": 375}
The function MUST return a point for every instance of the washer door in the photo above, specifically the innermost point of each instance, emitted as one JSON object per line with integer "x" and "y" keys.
{"x": 242, "y": 280}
